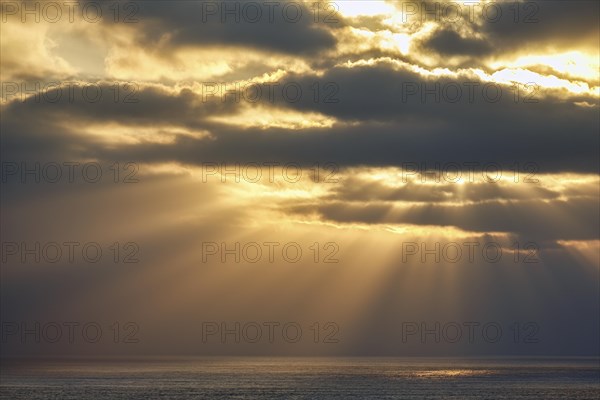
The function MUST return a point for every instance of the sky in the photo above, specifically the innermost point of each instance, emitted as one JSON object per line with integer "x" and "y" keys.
{"x": 372, "y": 178}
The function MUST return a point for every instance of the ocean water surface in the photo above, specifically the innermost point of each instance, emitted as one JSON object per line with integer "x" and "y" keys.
{"x": 300, "y": 378}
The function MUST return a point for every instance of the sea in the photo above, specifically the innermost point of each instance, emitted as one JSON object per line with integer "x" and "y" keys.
{"x": 301, "y": 378}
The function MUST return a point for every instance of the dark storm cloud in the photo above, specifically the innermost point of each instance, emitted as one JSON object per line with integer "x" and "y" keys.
{"x": 533, "y": 219}
{"x": 390, "y": 128}
{"x": 507, "y": 27}
{"x": 380, "y": 146}
{"x": 285, "y": 26}
{"x": 386, "y": 92}
{"x": 39, "y": 129}
{"x": 415, "y": 124}
{"x": 449, "y": 42}
{"x": 134, "y": 105}
{"x": 550, "y": 25}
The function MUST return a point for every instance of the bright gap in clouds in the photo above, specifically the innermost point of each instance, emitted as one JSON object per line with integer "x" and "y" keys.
{"x": 364, "y": 8}
{"x": 573, "y": 63}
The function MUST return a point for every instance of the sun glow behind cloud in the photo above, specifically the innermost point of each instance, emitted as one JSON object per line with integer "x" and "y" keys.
{"x": 574, "y": 64}
{"x": 357, "y": 8}
{"x": 264, "y": 118}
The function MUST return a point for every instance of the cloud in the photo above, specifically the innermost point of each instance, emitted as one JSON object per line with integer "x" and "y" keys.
{"x": 527, "y": 219}
{"x": 285, "y": 27}
{"x": 449, "y": 42}
{"x": 504, "y": 27}
{"x": 379, "y": 124}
